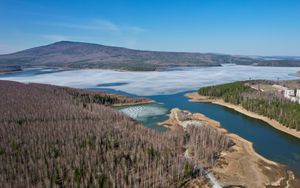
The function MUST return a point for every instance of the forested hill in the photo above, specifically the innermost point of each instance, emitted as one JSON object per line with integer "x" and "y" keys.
{"x": 61, "y": 137}
{"x": 86, "y": 55}
{"x": 268, "y": 103}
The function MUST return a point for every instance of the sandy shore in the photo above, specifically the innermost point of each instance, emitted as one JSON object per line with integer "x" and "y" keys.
{"x": 195, "y": 97}
{"x": 241, "y": 165}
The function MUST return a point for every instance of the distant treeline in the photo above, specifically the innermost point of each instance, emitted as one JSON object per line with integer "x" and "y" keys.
{"x": 79, "y": 55}
{"x": 264, "y": 103}
{"x": 9, "y": 68}
{"x": 61, "y": 137}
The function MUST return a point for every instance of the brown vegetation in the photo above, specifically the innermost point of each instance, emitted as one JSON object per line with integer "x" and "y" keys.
{"x": 237, "y": 164}
{"x": 61, "y": 137}
{"x": 206, "y": 144}
{"x": 50, "y": 137}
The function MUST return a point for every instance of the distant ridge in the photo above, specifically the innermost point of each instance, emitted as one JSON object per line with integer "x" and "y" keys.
{"x": 70, "y": 54}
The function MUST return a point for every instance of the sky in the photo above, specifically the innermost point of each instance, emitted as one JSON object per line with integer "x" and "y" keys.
{"x": 238, "y": 27}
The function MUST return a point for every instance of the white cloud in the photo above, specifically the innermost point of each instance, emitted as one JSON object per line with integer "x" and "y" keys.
{"x": 107, "y": 25}
{"x": 135, "y": 29}
{"x": 100, "y": 25}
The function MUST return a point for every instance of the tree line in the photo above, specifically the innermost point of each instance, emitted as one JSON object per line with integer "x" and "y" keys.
{"x": 270, "y": 104}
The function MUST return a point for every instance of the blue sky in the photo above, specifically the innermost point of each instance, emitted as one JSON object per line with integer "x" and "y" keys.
{"x": 245, "y": 27}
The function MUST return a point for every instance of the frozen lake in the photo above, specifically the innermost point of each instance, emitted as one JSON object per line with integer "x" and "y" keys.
{"x": 155, "y": 83}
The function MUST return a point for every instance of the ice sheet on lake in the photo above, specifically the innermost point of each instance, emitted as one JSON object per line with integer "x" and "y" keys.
{"x": 159, "y": 82}
{"x": 141, "y": 112}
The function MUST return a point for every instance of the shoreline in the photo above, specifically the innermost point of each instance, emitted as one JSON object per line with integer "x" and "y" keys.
{"x": 195, "y": 97}
{"x": 173, "y": 122}
{"x": 241, "y": 164}
{"x": 9, "y": 72}
{"x": 133, "y": 103}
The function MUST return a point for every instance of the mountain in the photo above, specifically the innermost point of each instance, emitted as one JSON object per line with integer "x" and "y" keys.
{"x": 86, "y": 55}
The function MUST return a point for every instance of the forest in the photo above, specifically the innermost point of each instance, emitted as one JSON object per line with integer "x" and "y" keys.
{"x": 270, "y": 104}
{"x": 207, "y": 139}
{"x": 54, "y": 136}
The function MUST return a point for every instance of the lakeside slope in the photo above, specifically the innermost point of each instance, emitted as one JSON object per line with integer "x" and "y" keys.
{"x": 195, "y": 97}
{"x": 240, "y": 165}
{"x": 53, "y": 136}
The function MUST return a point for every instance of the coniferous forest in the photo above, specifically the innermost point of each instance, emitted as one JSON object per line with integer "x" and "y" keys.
{"x": 270, "y": 104}
{"x": 61, "y": 137}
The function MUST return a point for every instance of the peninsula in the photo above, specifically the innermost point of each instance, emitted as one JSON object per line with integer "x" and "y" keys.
{"x": 237, "y": 166}
{"x": 264, "y": 100}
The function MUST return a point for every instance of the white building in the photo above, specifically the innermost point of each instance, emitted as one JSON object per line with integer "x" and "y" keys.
{"x": 294, "y": 99}
{"x": 298, "y": 93}
{"x": 292, "y": 95}
{"x": 288, "y": 93}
